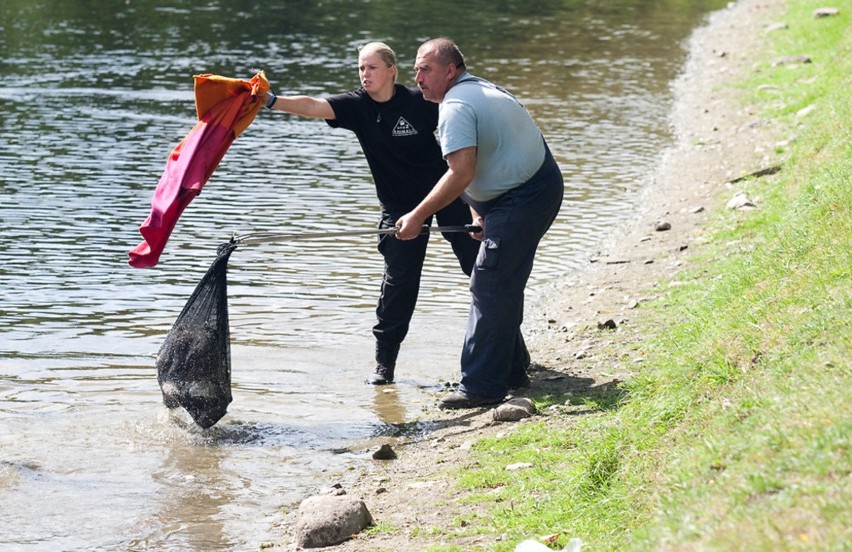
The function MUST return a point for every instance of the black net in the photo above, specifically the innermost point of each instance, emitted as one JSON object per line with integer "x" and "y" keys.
{"x": 194, "y": 362}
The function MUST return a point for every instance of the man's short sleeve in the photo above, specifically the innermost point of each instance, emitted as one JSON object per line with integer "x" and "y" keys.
{"x": 456, "y": 127}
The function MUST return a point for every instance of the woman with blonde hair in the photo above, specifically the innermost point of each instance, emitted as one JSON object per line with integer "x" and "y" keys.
{"x": 396, "y": 129}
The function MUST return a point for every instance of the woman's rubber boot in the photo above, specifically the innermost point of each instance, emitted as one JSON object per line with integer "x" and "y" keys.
{"x": 386, "y": 354}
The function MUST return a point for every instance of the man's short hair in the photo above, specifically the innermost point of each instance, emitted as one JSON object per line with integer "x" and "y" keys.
{"x": 446, "y": 52}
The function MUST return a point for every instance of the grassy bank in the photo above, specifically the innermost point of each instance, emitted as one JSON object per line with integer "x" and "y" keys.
{"x": 735, "y": 434}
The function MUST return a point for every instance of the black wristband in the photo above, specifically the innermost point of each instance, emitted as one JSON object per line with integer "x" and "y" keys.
{"x": 271, "y": 101}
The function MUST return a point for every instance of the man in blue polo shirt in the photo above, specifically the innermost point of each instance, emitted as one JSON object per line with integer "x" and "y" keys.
{"x": 500, "y": 165}
{"x": 395, "y": 128}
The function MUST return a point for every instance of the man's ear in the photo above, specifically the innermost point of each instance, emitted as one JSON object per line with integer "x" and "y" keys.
{"x": 452, "y": 72}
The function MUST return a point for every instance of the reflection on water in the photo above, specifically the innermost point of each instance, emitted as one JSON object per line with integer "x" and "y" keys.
{"x": 95, "y": 95}
{"x": 388, "y": 406}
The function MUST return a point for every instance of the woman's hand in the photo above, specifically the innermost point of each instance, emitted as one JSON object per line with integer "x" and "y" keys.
{"x": 267, "y": 99}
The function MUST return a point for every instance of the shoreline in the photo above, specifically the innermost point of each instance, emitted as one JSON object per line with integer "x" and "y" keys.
{"x": 715, "y": 140}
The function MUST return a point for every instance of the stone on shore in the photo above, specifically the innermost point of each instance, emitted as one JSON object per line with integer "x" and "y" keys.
{"x": 514, "y": 410}
{"x": 825, "y": 12}
{"x": 326, "y": 520}
{"x": 740, "y": 202}
{"x": 385, "y": 452}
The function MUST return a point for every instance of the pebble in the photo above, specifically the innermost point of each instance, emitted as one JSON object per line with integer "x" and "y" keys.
{"x": 385, "y": 452}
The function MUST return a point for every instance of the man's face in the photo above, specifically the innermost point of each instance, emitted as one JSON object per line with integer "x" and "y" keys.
{"x": 431, "y": 77}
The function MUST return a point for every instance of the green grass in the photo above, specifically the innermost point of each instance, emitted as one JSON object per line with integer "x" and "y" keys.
{"x": 736, "y": 434}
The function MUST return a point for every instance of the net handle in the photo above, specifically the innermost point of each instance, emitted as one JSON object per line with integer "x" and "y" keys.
{"x": 269, "y": 237}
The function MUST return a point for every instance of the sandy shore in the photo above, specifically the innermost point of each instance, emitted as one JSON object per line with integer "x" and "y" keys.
{"x": 717, "y": 140}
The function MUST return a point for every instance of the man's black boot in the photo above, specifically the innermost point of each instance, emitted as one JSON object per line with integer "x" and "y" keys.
{"x": 386, "y": 354}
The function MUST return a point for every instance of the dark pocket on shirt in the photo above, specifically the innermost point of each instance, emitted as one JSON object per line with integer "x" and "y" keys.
{"x": 489, "y": 253}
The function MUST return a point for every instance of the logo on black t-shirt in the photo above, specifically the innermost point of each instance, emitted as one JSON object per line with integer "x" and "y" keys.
{"x": 403, "y": 128}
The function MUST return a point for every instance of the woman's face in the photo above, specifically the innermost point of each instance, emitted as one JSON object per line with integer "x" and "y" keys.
{"x": 374, "y": 73}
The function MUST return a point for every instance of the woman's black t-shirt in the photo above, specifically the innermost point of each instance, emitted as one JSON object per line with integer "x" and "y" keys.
{"x": 398, "y": 140}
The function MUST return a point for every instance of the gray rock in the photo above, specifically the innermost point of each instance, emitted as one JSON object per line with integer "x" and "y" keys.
{"x": 326, "y": 520}
{"x": 336, "y": 489}
{"x": 740, "y": 202}
{"x": 514, "y": 410}
{"x": 825, "y": 12}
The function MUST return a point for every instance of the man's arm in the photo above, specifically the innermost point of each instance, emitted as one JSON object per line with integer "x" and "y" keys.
{"x": 304, "y": 106}
{"x": 462, "y": 165}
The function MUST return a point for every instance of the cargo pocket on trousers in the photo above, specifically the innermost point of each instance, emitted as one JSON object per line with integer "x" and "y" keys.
{"x": 489, "y": 253}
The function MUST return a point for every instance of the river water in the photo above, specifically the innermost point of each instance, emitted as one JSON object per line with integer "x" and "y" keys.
{"x": 94, "y": 96}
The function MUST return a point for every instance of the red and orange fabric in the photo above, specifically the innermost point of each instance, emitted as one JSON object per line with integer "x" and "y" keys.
{"x": 225, "y": 107}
